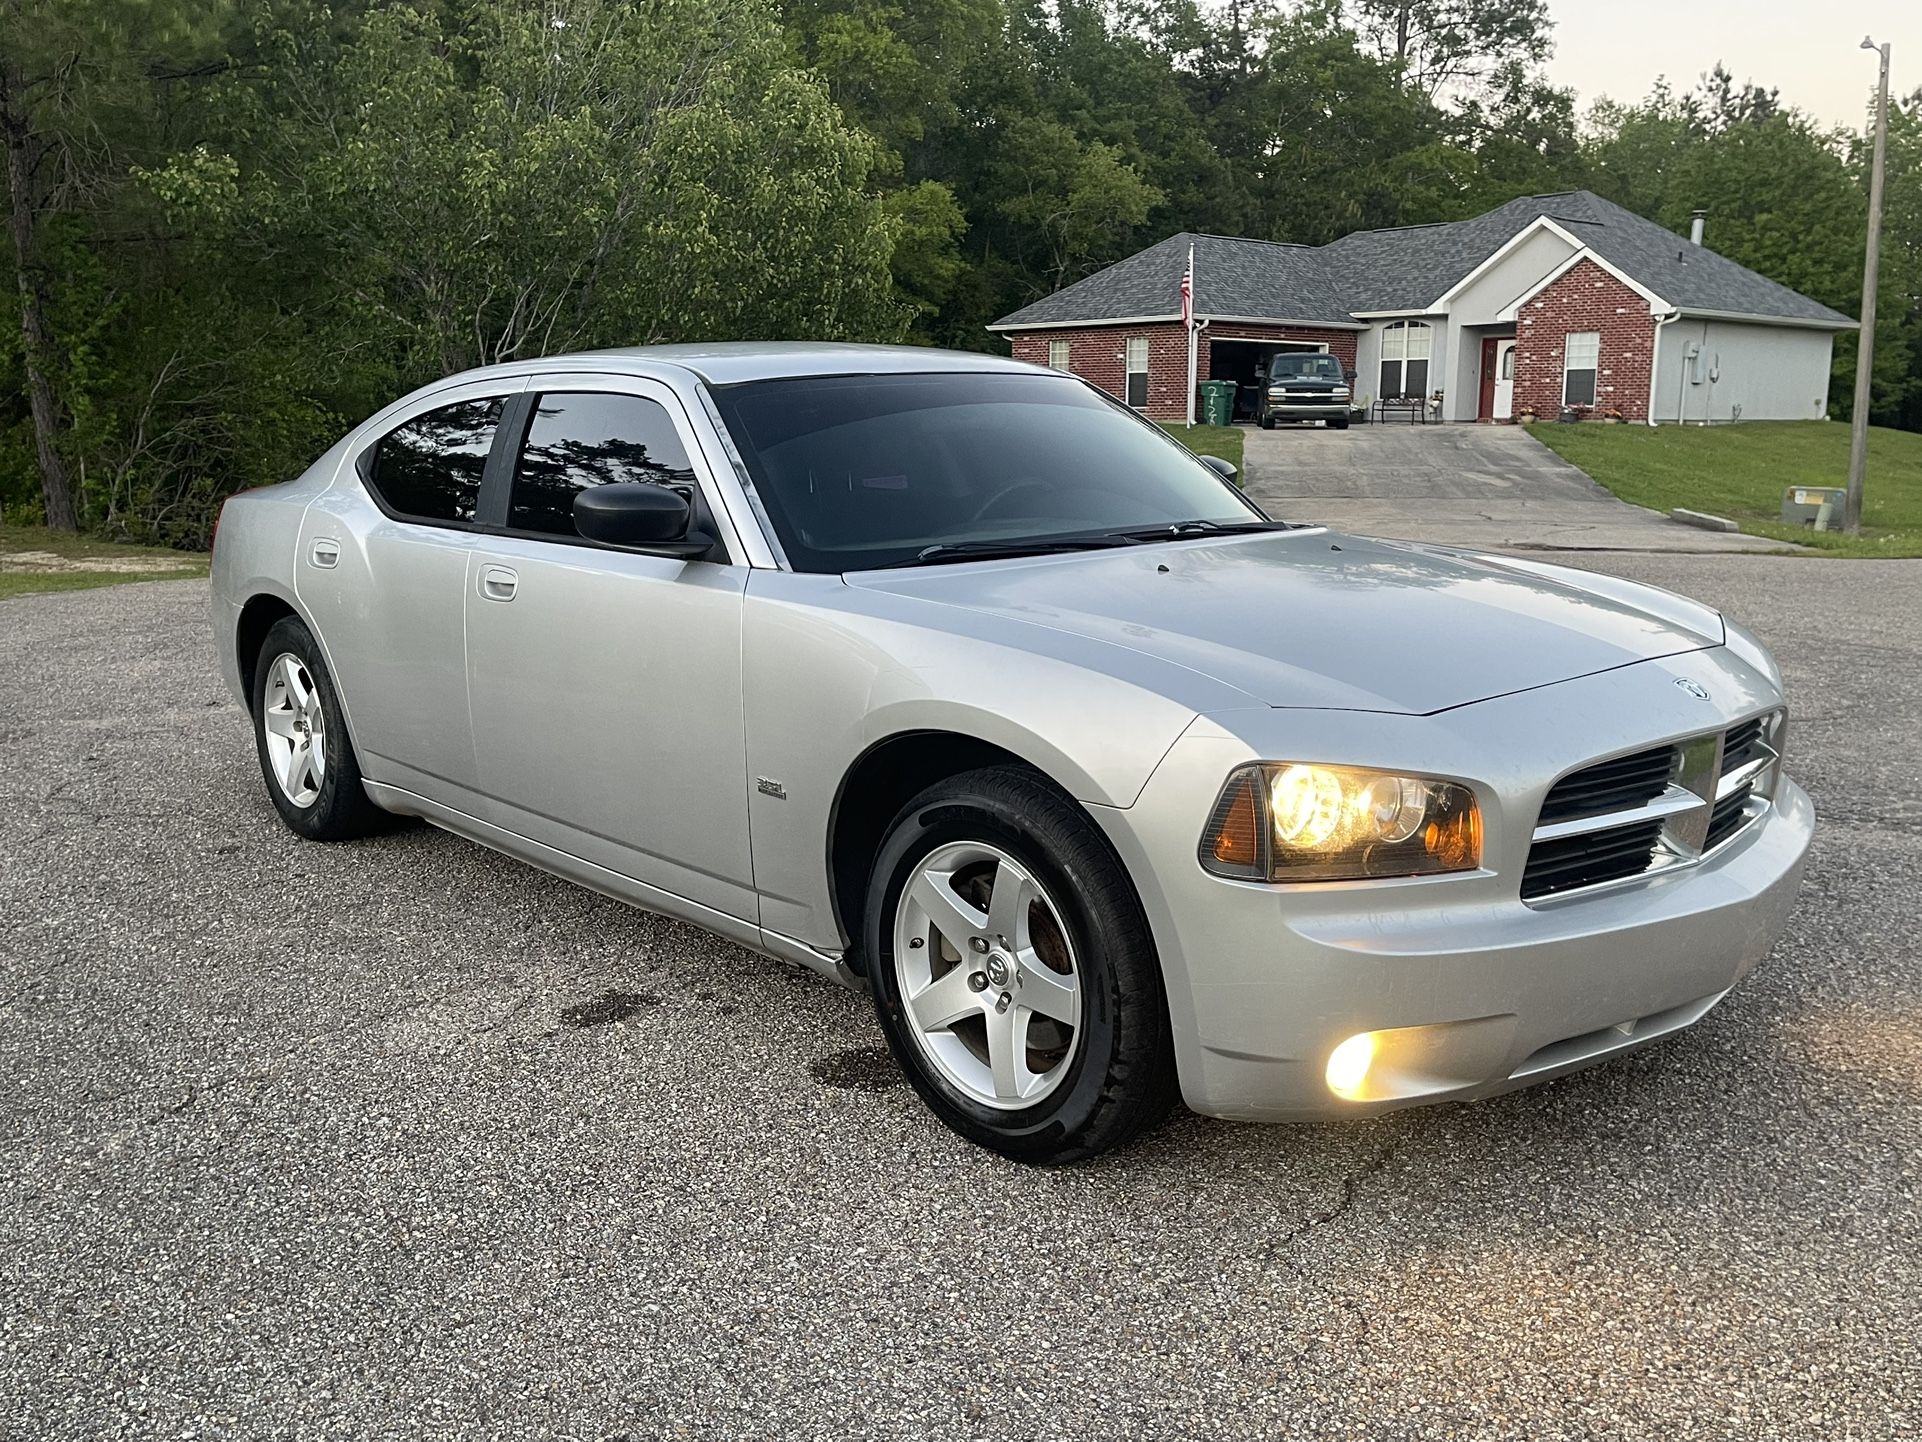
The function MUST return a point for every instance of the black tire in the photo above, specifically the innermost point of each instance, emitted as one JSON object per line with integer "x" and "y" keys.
{"x": 340, "y": 811}
{"x": 1120, "y": 1079}
{"x": 1267, "y": 423}
{"x": 1340, "y": 425}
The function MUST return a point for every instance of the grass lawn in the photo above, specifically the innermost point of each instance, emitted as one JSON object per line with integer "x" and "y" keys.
{"x": 1223, "y": 441}
{"x": 1741, "y": 471}
{"x": 33, "y": 558}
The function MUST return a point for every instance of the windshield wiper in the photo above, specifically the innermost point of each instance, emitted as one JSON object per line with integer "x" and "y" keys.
{"x": 1184, "y": 530}
{"x": 984, "y": 550}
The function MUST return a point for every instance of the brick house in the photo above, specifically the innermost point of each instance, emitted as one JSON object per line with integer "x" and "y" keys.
{"x": 1546, "y": 302}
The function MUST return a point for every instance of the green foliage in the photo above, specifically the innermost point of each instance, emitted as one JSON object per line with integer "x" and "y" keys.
{"x": 1223, "y": 441}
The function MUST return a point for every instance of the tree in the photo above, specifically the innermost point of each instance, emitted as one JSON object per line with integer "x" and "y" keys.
{"x": 77, "y": 79}
{"x": 1441, "y": 44}
{"x": 487, "y": 179}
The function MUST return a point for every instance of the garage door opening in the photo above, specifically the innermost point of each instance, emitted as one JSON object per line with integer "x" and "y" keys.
{"x": 1245, "y": 362}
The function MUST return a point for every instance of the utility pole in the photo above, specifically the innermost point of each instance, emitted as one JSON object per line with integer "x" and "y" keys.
{"x": 1865, "y": 341}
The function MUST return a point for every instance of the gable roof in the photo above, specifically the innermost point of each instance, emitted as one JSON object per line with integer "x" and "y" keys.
{"x": 1409, "y": 269}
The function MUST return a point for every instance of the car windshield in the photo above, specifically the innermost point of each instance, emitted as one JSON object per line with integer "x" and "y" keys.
{"x": 858, "y": 472}
{"x": 1294, "y": 366}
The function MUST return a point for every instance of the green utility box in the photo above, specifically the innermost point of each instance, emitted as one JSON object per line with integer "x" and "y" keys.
{"x": 1817, "y": 506}
{"x": 1217, "y": 403}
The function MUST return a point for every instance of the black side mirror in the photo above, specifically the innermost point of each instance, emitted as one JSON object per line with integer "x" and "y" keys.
{"x": 1225, "y": 469}
{"x": 639, "y": 517}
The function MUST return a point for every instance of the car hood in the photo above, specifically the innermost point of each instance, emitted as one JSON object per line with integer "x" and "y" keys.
{"x": 1311, "y": 618}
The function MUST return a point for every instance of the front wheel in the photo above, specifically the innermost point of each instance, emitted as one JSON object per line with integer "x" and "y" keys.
{"x": 1340, "y": 425}
{"x": 1013, "y": 971}
{"x": 1267, "y": 423}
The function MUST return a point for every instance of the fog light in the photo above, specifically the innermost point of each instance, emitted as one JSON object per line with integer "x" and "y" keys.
{"x": 1348, "y": 1065}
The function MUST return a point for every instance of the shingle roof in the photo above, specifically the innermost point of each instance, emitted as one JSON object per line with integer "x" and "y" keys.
{"x": 1409, "y": 268}
{"x": 1254, "y": 279}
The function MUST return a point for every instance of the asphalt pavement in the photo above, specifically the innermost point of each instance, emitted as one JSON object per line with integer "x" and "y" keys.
{"x": 400, "y": 1139}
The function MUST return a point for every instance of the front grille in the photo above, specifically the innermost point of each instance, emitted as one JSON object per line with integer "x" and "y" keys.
{"x": 1619, "y": 785}
{"x": 1665, "y": 806}
{"x": 1590, "y": 858}
{"x": 1745, "y": 742}
{"x": 1729, "y": 813}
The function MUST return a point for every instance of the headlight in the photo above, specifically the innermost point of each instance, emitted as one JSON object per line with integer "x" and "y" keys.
{"x": 1276, "y": 392}
{"x": 1340, "y": 393}
{"x": 1289, "y": 821}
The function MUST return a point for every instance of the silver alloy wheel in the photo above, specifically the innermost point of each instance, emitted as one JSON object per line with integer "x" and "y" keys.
{"x": 989, "y": 986}
{"x": 295, "y": 728}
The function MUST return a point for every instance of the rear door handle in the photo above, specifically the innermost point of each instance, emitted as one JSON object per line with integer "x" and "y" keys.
{"x": 326, "y": 552}
{"x": 497, "y": 583}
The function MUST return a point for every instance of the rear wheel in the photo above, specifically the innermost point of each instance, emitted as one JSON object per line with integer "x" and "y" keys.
{"x": 312, "y": 774}
{"x": 1013, "y": 971}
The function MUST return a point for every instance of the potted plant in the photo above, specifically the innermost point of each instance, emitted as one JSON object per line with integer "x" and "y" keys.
{"x": 1435, "y": 404}
{"x": 1358, "y": 410}
{"x": 1612, "y": 416}
{"x": 1574, "y": 415}
{"x": 1526, "y": 415}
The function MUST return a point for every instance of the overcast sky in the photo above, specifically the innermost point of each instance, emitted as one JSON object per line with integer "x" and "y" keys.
{"x": 1804, "y": 48}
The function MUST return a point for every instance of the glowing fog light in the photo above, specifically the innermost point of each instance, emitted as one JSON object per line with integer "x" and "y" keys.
{"x": 1348, "y": 1065}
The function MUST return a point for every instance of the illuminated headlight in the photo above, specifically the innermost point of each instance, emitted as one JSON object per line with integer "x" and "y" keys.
{"x": 1289, "y": 821}
{"x": 1340, "y": 393}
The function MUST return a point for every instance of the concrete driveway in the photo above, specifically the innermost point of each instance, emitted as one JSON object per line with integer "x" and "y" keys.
{"x": 1485, "y": 487}
{"x": 400, "y": 1139}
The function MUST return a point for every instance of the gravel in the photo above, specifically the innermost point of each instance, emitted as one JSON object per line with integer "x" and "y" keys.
{"x": 401, "y": 1139}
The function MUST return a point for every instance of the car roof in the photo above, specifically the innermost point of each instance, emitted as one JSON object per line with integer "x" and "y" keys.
{"x": 729, "y": 362}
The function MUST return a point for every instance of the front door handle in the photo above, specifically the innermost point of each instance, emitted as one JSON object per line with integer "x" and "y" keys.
{"x": 497, "y": 583}
{"x": 326, "y": 552}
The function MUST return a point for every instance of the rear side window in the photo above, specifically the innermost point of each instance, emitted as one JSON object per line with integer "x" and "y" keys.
{"x": 430, "y": 468}
{"x": 585, "y": 439}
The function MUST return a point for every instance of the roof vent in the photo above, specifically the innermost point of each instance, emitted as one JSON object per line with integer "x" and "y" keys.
{"x": 1696, "y": 220}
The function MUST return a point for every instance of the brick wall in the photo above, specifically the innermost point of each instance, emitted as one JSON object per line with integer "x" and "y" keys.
{"x": 1100, "y": 354}
{"x": 1586, "y": 298}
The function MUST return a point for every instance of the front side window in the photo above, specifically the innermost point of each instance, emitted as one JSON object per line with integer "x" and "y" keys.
{"x": 864, "y": 471}
{"x": 1059, "y": 354}
{"x": 1405, "y": 349}
{"x": 1581, "y": 353}
{"x": 585, "y": 439}
{"x": 429, "y": 469}
{"x": 1137, "y": 371}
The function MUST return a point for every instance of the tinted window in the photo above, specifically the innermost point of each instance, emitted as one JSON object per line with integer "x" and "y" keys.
{"x": 588, "y": 439}
{"x": 862, "y": 471}
{"x": 431, "y": 467}
{"x": 1324, "y": 366}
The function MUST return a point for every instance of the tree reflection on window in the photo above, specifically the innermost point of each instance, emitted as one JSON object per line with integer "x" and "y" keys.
{"x": 578, "y": 441}
{"x": 431, "y": 467}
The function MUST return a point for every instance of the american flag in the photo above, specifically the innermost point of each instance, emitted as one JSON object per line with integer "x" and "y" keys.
{"x": 1188, "y": 292}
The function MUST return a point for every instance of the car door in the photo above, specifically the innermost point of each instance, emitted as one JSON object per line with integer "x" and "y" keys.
{"x": 381, "y": 570}
{"x": 605, "y": 685}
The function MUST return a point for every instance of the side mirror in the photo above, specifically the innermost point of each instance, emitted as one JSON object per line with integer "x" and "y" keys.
{"x": 638, "y": 517}
{"x": 1225, "y": 469}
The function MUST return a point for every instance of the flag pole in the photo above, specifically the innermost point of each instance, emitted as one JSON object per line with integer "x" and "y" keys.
{"x": 1188, "y": 316}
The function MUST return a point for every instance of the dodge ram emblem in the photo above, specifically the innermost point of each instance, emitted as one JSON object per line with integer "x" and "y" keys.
{"x": 1694, "y": 688}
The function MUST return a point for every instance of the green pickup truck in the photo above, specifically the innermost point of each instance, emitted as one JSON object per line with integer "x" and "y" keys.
{"x": 1304, "y": 386}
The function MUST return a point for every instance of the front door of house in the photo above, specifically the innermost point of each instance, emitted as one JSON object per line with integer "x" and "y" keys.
{"x": 1498, "y": 378}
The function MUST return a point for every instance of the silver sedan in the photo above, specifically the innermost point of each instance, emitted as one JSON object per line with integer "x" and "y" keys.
{"x": 952, "y": 679}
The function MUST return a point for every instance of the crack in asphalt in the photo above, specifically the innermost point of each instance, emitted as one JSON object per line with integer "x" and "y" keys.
{"x": 1350, "y": 1189}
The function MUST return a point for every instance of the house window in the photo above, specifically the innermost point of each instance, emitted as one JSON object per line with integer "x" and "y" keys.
{"x": 1405, "y": 348}
{"x": 1581, "y": 352}
{"x": 1137, "y": 370}
{"x": 1058, "y": 354}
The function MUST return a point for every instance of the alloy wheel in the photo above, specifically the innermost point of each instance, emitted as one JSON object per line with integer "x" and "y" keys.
{"x": 295, "y": 728}
{"x": 989, "y": 986}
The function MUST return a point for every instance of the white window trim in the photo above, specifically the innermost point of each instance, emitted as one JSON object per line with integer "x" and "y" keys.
{"x": 1595, "y": 369}
{"x": 1066, "y": 363}
{"x": 1405, "y": 329}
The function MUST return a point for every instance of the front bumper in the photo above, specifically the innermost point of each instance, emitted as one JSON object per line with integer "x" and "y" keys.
{"x": 1305, "y": 410}
{"x": 1477, "y": 991}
